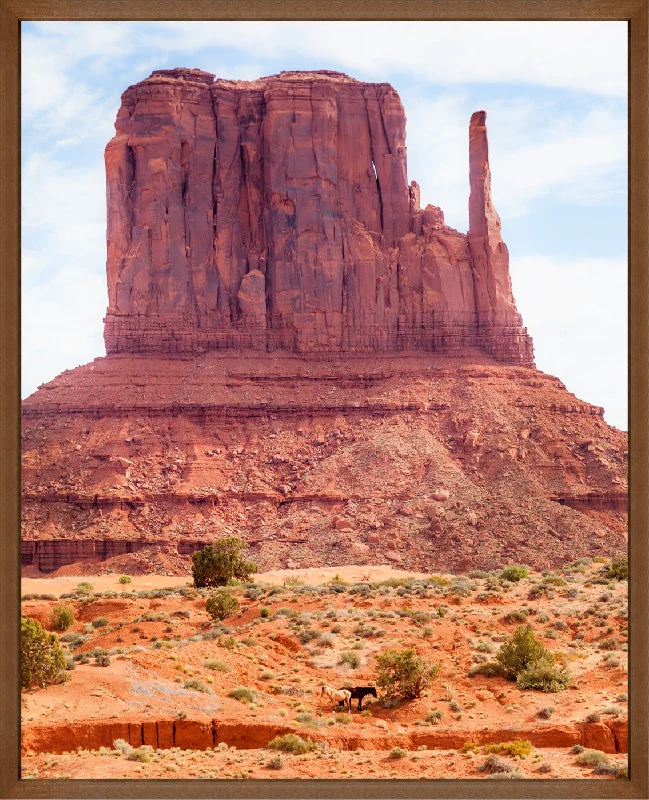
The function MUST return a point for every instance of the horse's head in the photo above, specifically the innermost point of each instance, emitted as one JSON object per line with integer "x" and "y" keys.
{"x": 373, "y": 691}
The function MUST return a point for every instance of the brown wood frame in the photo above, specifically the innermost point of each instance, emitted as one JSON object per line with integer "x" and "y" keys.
{"x": 12, "y": 12}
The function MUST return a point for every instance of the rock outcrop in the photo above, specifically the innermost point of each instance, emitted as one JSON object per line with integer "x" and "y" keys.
{"x": 277, "y": 214}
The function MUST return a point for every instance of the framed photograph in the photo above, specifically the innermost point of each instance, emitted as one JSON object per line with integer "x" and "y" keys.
{"x": 328, "y": 476}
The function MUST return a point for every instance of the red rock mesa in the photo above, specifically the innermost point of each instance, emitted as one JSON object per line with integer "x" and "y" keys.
{"x": 299, "y": 355}
{"x": 277, "y": 214}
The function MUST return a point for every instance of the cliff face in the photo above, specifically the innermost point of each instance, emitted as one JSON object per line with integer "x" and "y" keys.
{"x": 277, "y": 214}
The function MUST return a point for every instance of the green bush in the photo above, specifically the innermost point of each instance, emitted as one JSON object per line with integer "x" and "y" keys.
{"x": 544, "y": 676}
{"x": 217, "y": 666}
{"x": 125, "y": 579}
{"x": 243, "y": 694}
{"x": 198, "y": 686}
{"x": 276, "y": 762}
{"x": 403, "y": 673}
{"x": 100, "y": 622}
{"x": 62, "y": 617}
{"x": 351, "y": 659}
{"x": 434, "y": 716}
{"x": 514, "y": 573}
{"x": 142, "y": 754}
{"x": 490, "y": 669}
{"x": 42, "y": 659}
{"x": 218, "y": 563}
{"x": 264, "y": 613}
{"x": 519, "y": 651}
{"x": 221, "y": 605}
{"x": 618, "y": 568}
{"x": 102, "y": 660}
{"x": 292, "y": 743}
{"x": 84, "y": 587}
{"x": 398, "y": 752}
{"x": 592, "y": 758}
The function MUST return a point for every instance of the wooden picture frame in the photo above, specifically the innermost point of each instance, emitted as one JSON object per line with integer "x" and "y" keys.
{"x": 636, "y": 12}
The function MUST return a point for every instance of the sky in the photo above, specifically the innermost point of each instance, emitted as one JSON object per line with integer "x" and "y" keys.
{"x": 555, "y": 95}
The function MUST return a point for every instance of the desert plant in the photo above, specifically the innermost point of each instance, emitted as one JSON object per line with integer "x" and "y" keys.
{"x": 276, "y": 762}
{"x": 84, "y": 587}
{"x": 221, "y": 605}
{"x": 197, "y": 685}
{"x": 592, "y": 758}
{"x": 102, "y": 660}
{"x": 243, "y": 694}
{"x": 42, "y": 659}
{"x": 143, "y": 754}
{"x": 514, "y": 573}
{"x": 544, "y": 675}
{"x": 618, "y": 568}
{"x": 100, "y": 622}
{"x": 496, "y": 764}
{"x": 125, "y": 579}
{"x": 217, "y": 666}
{"x": 221, "y": 561}
{"x": 292, "y": 743}
{"x": 398, "y": 752}
{"x": 434, "y": 716}
{"x": 546, "y": 712}
{"x": 490, "y": 669}
{"x": 351, "y": 659}
{"x": 519, "y": 651}
{"x": 404, "y": 673}
{"x": 62, "y": 617}
{"x": 517, "y": 747}
{"x": 264, "y": 613}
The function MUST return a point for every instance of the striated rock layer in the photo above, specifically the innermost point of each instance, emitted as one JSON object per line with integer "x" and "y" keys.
{"x": 277, "y": 214}
{"x": 424, "y": 462}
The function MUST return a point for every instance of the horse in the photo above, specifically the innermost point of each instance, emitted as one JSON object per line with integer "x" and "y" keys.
{"x": 359, "y": 692}
{"x": 338, "y": 696}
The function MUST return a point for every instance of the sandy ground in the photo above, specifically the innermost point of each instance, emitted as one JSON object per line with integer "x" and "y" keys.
{"x": 313, "y": 577}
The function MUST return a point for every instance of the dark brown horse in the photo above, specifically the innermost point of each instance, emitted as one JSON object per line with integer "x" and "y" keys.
{"x": 359, "y": 692}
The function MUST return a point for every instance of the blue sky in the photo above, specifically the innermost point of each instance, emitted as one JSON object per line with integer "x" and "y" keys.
{"x": 555, "y": 96}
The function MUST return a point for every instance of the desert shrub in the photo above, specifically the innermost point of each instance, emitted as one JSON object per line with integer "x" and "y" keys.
{"x": 545, "y": 768}
{"x": 100, "y": 622}
{"x": 342, "y": 717}
{"x": 243, "y": 694}
{"x": 264, "y": 613}
{"x": 544, "y": 675}
{"x": 398, "y": 752}
{"x": 84, "y": 587}
{"x": 229, "y": 642}
{"x": 122, "y": 745}
{"x": 102, "y": 660}
{"x": 618, "y": 568}
{"x": 594, "y": 717}
{"x": 490, "y": 669}
{"x": 546, "y": 712}
{"x": 217, "y": 666}
{"x": 517, "y": 747}
{"x": 469, "y": 747}
{"x": 221, "y": 561}
{"x": 142, "y": 754}
{"x": 577, "y": 748}
{"x": 125, "y": 579}
{"x": 403, "y": 673}
{"x": 514, "y": 573}
{"x": 221, "y": 605}
{"x": 70, "y": 663}
{"x": 609, "y": 644}
{"x": 351, "y": 659}
{"x": 292, "y": 743}
{"x": 308, "y": 635}
{"x": 42, "y": 659}
{"x": 519, "y": 651}
{"x": 434, "y": 716}
{"x": 197, "y": 686}
{"x": 517, "y": 615}
{"x": 592, "y": 758}
{"x": 276, "y": 762}
{"x": 496, "y": 765}
{"x": 62, "y": 617}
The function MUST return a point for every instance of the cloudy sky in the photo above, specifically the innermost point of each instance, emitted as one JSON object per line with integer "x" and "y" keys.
{"x": 555, "y": 94}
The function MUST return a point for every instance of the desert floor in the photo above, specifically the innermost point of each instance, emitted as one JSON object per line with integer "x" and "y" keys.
{"x": 191, "y": 697}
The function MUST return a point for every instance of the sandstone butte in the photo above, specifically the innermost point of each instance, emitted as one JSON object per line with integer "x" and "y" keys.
{"x": 299, "y": 354}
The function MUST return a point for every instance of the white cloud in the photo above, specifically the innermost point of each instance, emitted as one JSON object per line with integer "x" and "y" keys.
{"x": 576, "y": 312}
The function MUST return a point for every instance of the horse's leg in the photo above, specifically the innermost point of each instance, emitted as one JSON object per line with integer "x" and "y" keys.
{"x": 360, "y": 703}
